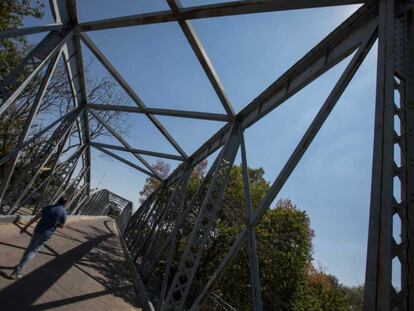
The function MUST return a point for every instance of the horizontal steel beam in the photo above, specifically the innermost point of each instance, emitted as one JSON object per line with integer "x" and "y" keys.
{"x": 129, "y": 163}
{"x": 129, "y": 90}
{"x": 28, "y": 31}
{"x": 208, "y": 11}
{"x": 139, "y": 151}
{"x": 163, "y": 112}
{"x": 125, "y": 143}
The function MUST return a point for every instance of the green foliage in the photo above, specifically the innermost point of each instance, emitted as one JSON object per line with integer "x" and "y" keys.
{"x": 284, "y": 247}
{"x": 12, "y": 13}
{"x": 284, "y": 252}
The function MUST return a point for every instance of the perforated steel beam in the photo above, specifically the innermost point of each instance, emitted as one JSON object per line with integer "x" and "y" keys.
{"x": 390, "y": 257}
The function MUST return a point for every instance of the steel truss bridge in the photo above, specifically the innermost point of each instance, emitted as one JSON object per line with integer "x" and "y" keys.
{"x": 152, "y": 231}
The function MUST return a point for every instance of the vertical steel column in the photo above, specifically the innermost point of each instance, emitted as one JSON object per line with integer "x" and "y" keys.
{"x": 28, "y": 123}
{"x": 251, "y": 235}
{"x": 190, "y": 260}
{"x": 378, "y": 277}
{"x": 402, "y": 294}
{"x": 408, "y": 161}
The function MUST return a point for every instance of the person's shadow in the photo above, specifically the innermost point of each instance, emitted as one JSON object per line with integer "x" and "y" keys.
{"x": 21, "y": 294}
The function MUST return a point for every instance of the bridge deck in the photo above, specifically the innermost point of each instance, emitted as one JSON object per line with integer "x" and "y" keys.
{"x": 81, "y": 268}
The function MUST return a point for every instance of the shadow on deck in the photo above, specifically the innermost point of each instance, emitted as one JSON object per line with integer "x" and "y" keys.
{"x": 81, "y": 268}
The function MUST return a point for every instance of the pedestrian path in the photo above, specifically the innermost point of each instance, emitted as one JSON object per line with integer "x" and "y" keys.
{"x": 82, "y": 268}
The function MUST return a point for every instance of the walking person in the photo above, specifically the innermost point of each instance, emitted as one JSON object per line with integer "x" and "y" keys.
{"x": 51, "y": 217}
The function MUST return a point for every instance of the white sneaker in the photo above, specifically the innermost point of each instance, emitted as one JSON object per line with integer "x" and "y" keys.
{"x": 15, "y": 275}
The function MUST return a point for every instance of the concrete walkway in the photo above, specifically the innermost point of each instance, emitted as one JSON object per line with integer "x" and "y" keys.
{"x": 81, "y": 268}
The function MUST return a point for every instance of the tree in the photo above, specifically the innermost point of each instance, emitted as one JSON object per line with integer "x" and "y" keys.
{"x": 289, "y": 281}
{"x": 58, "y": 98}
{"x": 163, "y": 169}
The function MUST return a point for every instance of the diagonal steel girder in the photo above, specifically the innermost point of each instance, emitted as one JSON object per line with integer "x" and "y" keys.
{"x": 115, "y": 156}
{"x": 126, "y": 145}
{"x": 139, "y": 151}
{"x": 64, "y": 12}
{"x": 202, "y": 56}
{"x": 334, "y": 48}
{"x": 294, "y": 158}
{"x": 128, "y": 89}
{"x": 19, "y": 77}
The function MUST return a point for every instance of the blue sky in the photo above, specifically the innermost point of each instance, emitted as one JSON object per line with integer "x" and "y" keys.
{"x": 332, "y": 183}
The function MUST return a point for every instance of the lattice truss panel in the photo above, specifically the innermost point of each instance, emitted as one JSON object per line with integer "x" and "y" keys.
{"x": 155, "y": 233}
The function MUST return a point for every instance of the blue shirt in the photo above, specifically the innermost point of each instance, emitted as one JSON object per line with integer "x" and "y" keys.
{"x": 52, "y": 216}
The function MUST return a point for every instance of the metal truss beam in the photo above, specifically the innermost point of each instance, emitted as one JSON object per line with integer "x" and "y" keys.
{"x": 11, "y": 86}
{"x": 167, "y": 219}
{"x": 252, "y": 249}
{"x": 37, "y": 135}
{"x": 69, "y": 167}
{"x": 294, "y": 159}
{"x": 393, "y": 20}
{"x": 65, "y": 12}
{"x": 163, "y": 112}
{"x": 126, "y": 145}
{"x": 202, "y": 56}
{"x": 208, "y": 11}
{"x": 115, "y": 156}
{"x": 21, "y": 186}
{"x": 189, "y": 262}
{"x": 139, "y": 151}
{"x": 51, "y": 172}
{"x": 28, "y": 31}
{"x": 28, "y": 122}
{"x": 342, "y": 42}
{"x": 122, "y": 82}
{"x": 389, "y": 255}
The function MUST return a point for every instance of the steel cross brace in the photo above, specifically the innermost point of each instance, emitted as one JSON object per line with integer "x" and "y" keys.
{"x": 42, "y": 158}
{"x": 69, "y": 168}
{"x": 11, "y": 87}
{"x": 54, "y": 166}
{"x": 163, "y": 226}
{"x": 126, "y": 145}
{"x": 28, "y": 122}
{"x": 189, "y": 262}
{"x": 294, "y": 159}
